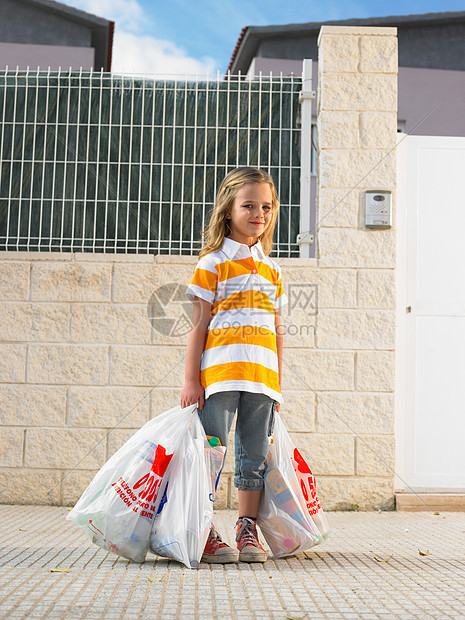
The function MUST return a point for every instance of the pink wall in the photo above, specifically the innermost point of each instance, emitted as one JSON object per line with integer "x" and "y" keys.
{"x": 420, "y": 90}
{"x": 54, "y": 56}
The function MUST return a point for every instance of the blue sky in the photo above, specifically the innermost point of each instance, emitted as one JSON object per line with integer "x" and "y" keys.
{"x": 183, "y": 36}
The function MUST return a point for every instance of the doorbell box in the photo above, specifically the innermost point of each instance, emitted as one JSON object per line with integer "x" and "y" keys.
{"x": 378, "y": 209}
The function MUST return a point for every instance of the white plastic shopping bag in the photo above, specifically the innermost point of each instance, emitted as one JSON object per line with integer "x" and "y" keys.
{"x": 290, "y": 514}
{"x": 118, "y": 507}
{"x": 181, "y": 528}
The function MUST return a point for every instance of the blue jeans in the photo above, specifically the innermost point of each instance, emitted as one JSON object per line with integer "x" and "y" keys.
{"x": 254, "y": 425}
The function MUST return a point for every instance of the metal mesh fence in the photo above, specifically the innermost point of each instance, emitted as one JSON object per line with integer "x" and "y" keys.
{"x": 98, "y": 162}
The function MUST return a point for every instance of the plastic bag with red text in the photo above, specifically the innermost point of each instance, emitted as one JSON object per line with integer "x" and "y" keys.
{"x": 182, "y": 525}
{"x": 290, "y": 515}
{"x": 117, "y": 509}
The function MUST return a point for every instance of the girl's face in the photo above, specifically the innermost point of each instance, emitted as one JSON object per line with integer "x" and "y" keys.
{"x": 250, "y": 213}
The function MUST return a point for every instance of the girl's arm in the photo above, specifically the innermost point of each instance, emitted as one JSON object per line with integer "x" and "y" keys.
{"x": 192, "y": 391}
{"x": 279, "y": 346}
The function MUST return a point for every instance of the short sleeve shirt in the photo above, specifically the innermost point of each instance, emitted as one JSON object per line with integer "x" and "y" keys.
{"x": 244, "y": 287}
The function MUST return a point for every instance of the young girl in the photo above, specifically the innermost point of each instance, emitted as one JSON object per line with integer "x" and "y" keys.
{"x": 234, "y": 350}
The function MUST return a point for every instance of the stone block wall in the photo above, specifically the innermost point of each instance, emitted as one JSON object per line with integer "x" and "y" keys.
{"x": 86, "y": 359}
{"x": 82, "y": 366}
{"x": 78, "y": 358}
{"x": 357, "y": 130}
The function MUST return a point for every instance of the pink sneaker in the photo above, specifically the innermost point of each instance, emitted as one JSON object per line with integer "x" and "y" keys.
{"x": 216, "y": 551}
{"x": 250, "y": 550}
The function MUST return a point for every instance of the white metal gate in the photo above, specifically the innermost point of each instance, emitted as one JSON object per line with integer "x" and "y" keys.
{"x": 430, "y": 420}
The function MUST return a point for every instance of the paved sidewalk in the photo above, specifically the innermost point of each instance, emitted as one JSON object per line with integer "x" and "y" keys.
{"x": 340, "y": 579}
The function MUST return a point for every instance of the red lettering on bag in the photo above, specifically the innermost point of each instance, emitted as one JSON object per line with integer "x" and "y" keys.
{"x": 143, "y": 494}
{"x": 304, "y": 490}
{"x": 150, "y": 489}
{"x": 307, "y": 482}
{"x": 119, "y": 491}
{"x": 153, "y": 491}
{"x": 142, "y": 481}
{"x": 151, "y": 481}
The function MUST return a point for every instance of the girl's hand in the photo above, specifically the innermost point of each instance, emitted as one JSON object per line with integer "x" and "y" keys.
{"x": 192, "y": 392}
{"x": 278, "y": 407}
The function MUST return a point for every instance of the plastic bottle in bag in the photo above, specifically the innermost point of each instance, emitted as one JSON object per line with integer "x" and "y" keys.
{"x": 285, "y": 499}
{"x": 214, "y": 458}
{"x": 146, "y": 452}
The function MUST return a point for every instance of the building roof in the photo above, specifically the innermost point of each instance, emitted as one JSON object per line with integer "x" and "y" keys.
{"x": 101, "y": 29}
{"x": 251, "y": 36}
{"x": 76, "y": 14}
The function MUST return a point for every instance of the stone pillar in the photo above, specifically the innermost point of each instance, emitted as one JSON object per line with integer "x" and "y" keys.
{"x": 357, "y": 130}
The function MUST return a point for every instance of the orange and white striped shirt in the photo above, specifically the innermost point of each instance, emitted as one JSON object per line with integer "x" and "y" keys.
{"x": 244, "y": 286}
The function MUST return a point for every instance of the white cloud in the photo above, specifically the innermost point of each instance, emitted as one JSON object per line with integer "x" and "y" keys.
{"x": 144, "y": 54}
{"x": 128, "y": 14}
{"x": 134, "y": 52}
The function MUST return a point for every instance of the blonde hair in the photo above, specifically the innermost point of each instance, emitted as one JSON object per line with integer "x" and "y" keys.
{"x": 218, "y": 227}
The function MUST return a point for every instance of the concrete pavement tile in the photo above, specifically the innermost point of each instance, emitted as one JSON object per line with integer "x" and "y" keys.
{"x": 339, "y": 579}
